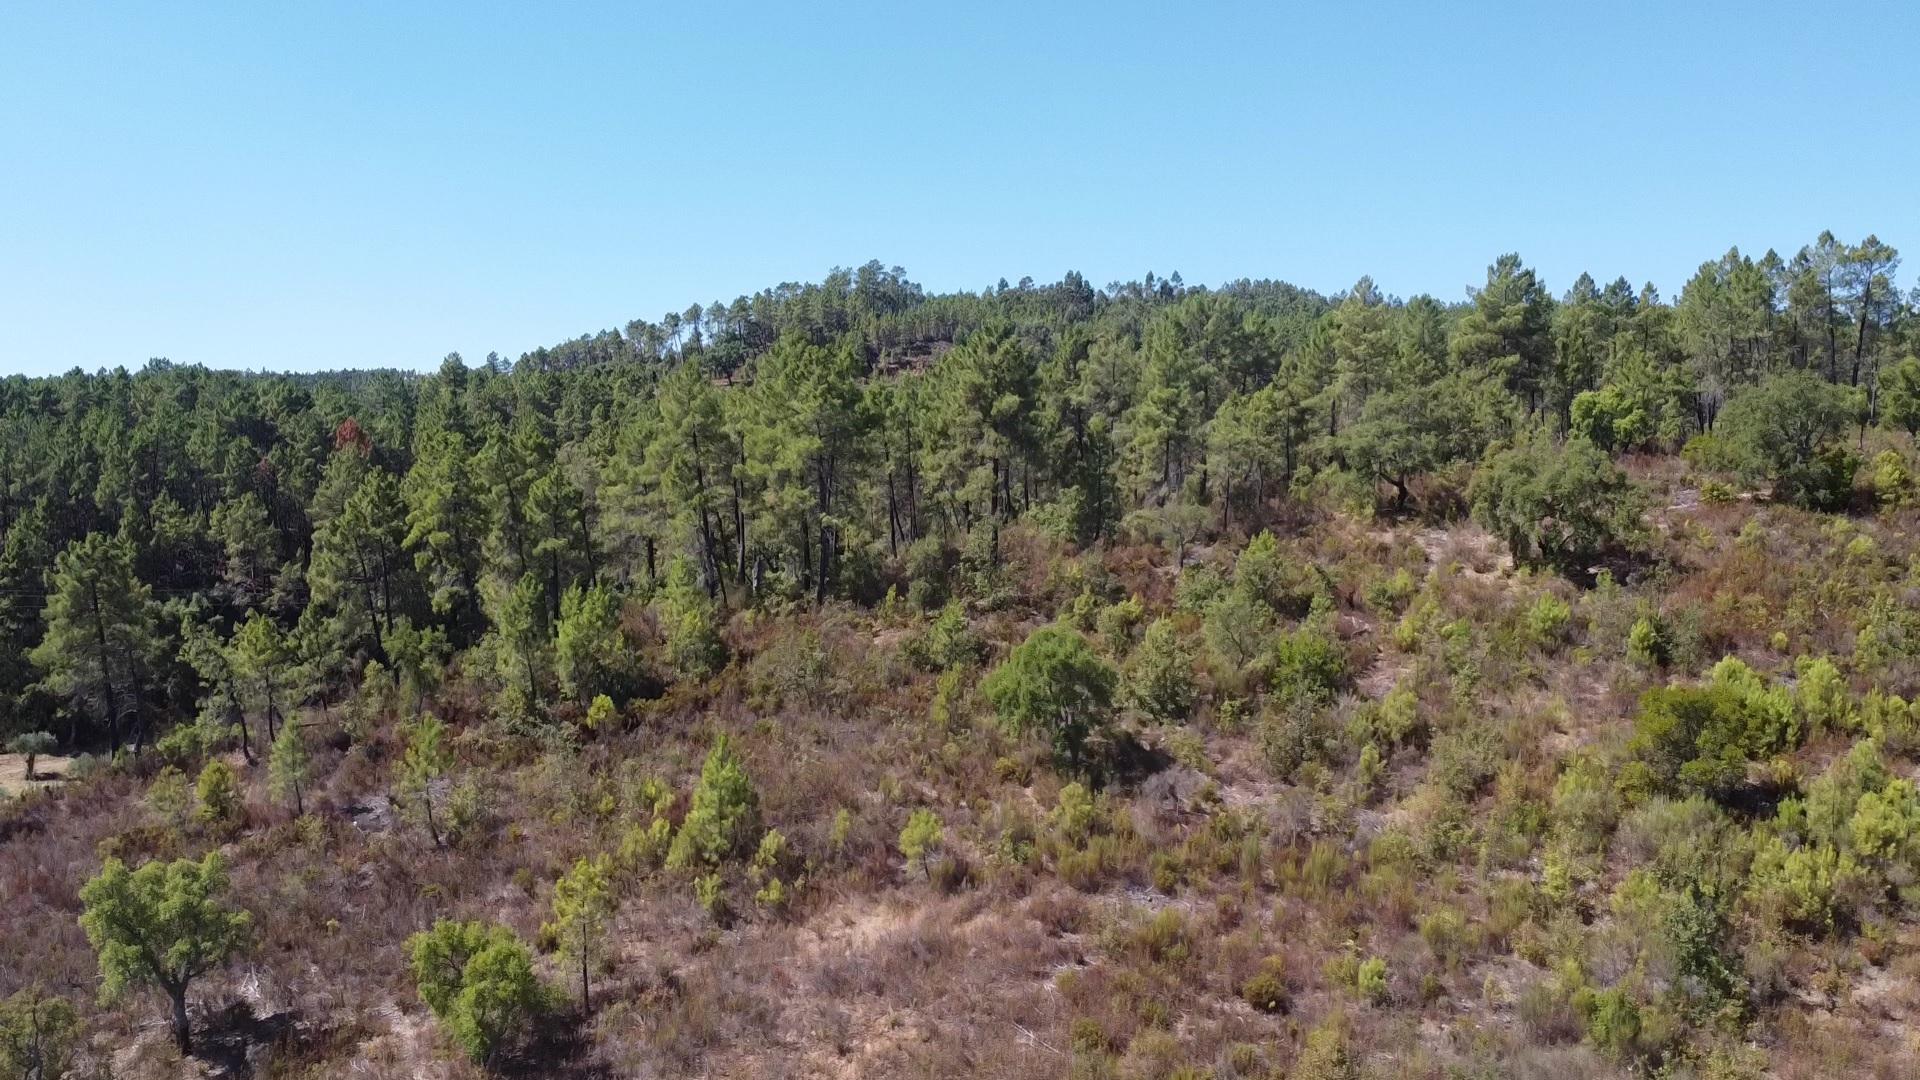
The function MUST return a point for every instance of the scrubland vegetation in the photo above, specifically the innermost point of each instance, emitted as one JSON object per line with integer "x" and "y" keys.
{"x": 1151, "y": 682}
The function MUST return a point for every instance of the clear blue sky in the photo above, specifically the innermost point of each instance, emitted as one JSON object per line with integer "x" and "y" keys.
{"x": 327, "y": 185}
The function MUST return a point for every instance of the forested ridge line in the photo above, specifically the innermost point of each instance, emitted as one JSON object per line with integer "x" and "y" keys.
{"x": 1229, "y": 682}
{"x": 804, "y": 441}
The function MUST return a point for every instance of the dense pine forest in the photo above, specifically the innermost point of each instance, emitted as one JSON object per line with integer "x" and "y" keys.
{"x": 1149, "y": 681}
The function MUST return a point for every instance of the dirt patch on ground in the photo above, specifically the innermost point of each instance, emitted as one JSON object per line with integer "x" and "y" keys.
{"x": 48, "y": 770}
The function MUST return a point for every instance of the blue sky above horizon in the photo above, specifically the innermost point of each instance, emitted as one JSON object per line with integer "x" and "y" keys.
{"x": 375, "y": 185}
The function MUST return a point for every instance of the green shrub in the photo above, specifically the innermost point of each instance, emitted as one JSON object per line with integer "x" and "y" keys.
{"x": 1309, "y": 664}
{"x": 1370, "y": 979}
{"x": 1886, "y": 826}
{"x": 1445, "y": 932}
{"x": 1646, "y": 645}
{"x": 217, "y": 794}
{"x": 1822, "y": 696}
{"x": 929, "y": 565}
{"x": 1262, "y": 574}
{"x": 948, "y": 642}
{"x": 1548, "y": 621}
{"x": 1055, "y": 685}
{"x": 1699, "y": 738}
{"x": 601, "y": 714}
{"x": 1295, "y": 733}
{"x": 644, "y": 847}
{"x": 1464, "y": 759}
{"x": 1893, "y": 481}
{"x": 1613, "y": 1021}
{"x": 1799, "y": 886}
{"x": 1392, "y": 721}
{"x": 1325, "y": 1056}
{"x": 920, "y": 838}
{"x": 1238, "y": 632}
{"x": 1266, "y": 989}
{"x": 710, "y": 892}
{"x": 1585, "y": 804}
{"x": 477, "y": 979}
{"x": 1116, "y": 623}
{"x": 186, "y": 743}
{"x": 1160, "y": 674}
{"x": 1074, "y": 814}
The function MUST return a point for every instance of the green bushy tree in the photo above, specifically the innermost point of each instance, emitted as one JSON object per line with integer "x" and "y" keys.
{"x": 1561, "y": 507}
{"x": 163, "y": 924}
{"x": 1787, "y": 431}
{"x": 478, "y": 979}
{"x": 31, "y": 745}
{"x": 37, "y": 1035}
{"x": 1055, "y": 685}
{"x": 1160, "y": 674}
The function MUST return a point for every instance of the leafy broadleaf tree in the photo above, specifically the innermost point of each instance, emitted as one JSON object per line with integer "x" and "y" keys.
{"x": 1559, "y": 506}
{"x": 37, "y": 1034}
{"x": 1056, "y": 686}
{"x": 1787, "y": 430}
{"x": 163, "y": 924}
{"x": 31, "y": 745}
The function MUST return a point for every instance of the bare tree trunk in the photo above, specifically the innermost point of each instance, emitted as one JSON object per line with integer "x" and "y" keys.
{"x": 182, "y": 1030}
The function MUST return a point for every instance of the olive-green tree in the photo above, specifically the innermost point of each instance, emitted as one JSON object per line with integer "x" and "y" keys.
{"x": 478, "y": 979}
{"x": 163, "y": 924}
{"x": 1054, "y": 685}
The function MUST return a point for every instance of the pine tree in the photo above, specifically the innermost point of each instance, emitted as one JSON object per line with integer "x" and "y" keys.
{"x": 287, "y": 767}
{"x": 446, "y": 527}
{"x": 427, "y": 759}
{"x": 582, "y": 907}
{"x": 590, "y": 654}
{"x": 359, "y": 575}
{"x": 523, "y": 643}
{"x": 99, "y": 632}
{"x": 259, "y": 661}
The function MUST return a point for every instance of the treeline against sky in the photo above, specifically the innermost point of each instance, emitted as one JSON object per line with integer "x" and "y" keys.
{"x": 179, "y": 542}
